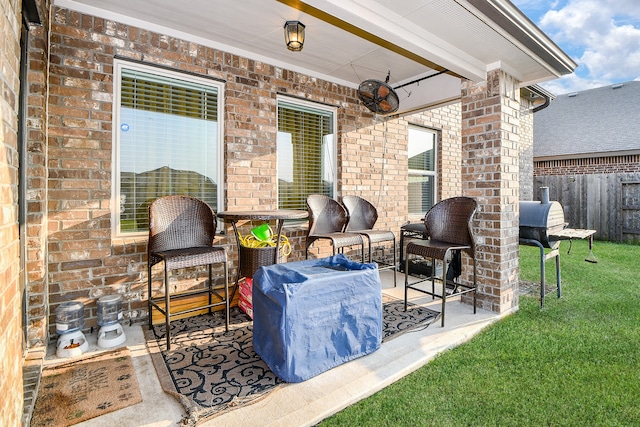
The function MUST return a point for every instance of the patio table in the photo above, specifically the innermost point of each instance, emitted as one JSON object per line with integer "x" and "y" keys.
{"x": 280, "y": 215}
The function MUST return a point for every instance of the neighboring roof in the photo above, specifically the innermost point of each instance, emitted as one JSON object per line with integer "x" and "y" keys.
{"x": 591, "y": 123}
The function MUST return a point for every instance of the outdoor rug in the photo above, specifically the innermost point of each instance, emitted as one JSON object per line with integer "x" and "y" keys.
{"x": 211, "y": 372}
{"x": 86, "y": 388}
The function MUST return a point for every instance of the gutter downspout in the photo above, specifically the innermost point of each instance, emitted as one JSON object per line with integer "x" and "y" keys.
{"x": 545, "y": 104}
{"x": 533, "y": 93}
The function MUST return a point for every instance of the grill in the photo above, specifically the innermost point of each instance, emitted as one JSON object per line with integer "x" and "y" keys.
{"x": 542, "y": 222}
{"x": 540, "y": 225}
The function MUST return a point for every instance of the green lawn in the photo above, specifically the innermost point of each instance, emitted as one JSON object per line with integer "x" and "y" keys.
{"x": 574, "y": 363}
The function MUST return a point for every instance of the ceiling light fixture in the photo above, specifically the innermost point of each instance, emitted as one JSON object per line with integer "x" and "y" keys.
{"x": 294, "y": 35}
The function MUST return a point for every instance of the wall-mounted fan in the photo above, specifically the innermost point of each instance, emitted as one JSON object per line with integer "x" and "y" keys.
{"x": 378, "y": 96}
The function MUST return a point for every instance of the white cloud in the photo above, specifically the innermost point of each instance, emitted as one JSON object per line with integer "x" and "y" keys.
{"x": 616, "y": 56}
{"x": 572, "y": 83}
{"x": 603, "y": 37}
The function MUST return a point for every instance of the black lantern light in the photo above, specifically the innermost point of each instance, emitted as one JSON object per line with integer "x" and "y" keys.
{"x": 294, "y": 35}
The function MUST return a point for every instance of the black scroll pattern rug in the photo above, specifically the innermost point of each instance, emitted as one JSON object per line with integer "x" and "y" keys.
{"x": 211, "y": 372}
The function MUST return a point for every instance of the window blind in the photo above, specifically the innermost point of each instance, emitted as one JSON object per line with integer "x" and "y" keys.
{"x": 168, "y": 143}
{"x": 422, "y": 169}
{"x": 306, "y": 159}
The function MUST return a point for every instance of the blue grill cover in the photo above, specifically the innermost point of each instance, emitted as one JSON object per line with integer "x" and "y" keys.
{"x": 310, "y": 316}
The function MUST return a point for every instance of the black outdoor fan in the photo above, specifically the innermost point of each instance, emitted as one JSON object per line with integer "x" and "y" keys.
{"x": 378, "y": 96}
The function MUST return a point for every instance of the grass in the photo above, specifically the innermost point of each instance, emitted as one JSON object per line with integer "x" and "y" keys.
{"x": 574, "y": 363}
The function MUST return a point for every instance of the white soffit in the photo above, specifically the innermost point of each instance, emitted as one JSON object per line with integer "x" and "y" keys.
{"x": 348, "y": 41}
{"x": 412, "y": 35}
{"x": 433, "y": 91}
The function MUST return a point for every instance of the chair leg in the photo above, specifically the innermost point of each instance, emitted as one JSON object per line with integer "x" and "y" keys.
{"x": 406, "y": 279}
{"x": 307, "y": 245}
{"x": 433, "y": 280}
{"x": 445, "y": 267}
{"x": 334, "y": 247}
{"x": 384, "y": 258}
{"x": 210, "y": 286}
{"x": 475, "y": 286}
{"x": 395, "y": 283}
{"x": 149, "y": 295}
{"x": 226, "y": 296}
{"x": 401, "y": 248}
{"x": 167, "y": 307}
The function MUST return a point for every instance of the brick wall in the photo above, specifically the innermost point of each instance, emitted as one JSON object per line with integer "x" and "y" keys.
{"x": 588, "y": 166}
{"x": 11, "y": 357}
{"x": 84, "y": 262}
{"x": 373, "y": 163}
{"x": 447, "y": 120}
{"x": 377, "y": 169}
{"x": 490, "y": 173}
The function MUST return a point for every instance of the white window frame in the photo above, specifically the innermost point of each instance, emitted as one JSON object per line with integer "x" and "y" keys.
{"x": 334, "y": 115}
{"x": 419, "y": 172}
{"x": 118, "y": 66}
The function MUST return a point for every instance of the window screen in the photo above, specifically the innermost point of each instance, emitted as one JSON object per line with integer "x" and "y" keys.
{"x": 168, "y": 141}
{"x": 422, "y": 169}
{"x": 306, "y": 153}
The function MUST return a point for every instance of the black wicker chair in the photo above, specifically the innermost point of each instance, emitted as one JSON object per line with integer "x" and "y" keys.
{"x": 448, "y": 225}
{"x": 362, "y": 218}
{"x": 181, "y": 234}
{"x": 327, "y": 220}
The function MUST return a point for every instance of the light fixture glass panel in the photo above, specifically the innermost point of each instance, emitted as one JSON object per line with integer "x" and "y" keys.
{"x": 294, "y": 35}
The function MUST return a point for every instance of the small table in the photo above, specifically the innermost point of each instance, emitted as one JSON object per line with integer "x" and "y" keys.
{"x": 578, "y": 233}
{"x": 280, "y": 215}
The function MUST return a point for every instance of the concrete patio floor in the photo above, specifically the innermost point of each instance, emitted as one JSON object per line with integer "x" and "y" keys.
{"x": 309, "y": 402}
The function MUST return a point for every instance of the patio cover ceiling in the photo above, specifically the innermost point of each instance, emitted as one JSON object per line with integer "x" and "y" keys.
{"x": 348, "y": 41}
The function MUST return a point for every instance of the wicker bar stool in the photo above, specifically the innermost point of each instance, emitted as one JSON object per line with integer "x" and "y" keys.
{"x": 327, "y": 220}
{"x": 362, "y": 218}
{"x": 181, "y": 234}
{"x": 448, "y": 225}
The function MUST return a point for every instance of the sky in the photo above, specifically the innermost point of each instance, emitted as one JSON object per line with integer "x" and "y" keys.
{"x": 602, "y": 36}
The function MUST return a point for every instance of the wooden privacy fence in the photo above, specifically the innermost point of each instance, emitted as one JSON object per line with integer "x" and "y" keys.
{"x": 608, "y": 203}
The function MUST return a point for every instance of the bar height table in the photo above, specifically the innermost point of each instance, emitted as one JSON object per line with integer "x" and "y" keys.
{"x": 280, "y": 215}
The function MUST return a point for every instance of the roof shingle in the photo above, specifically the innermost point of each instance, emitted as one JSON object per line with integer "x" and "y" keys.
{"x": 588, "y": 123}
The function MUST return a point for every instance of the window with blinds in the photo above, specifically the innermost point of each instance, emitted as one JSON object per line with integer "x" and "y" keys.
{"x": 167, "y": 140}
{"x": 306, "y": 152}
{"x": 422, "y": 169}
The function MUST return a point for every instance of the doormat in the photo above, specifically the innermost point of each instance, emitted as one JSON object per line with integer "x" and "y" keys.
{"x": 212, "y": 372}
{"x": 86, "y": 388}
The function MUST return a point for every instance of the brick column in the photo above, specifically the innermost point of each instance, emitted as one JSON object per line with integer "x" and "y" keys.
{"x": 490, "y": 173}
{"x": 38, "y": 297}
